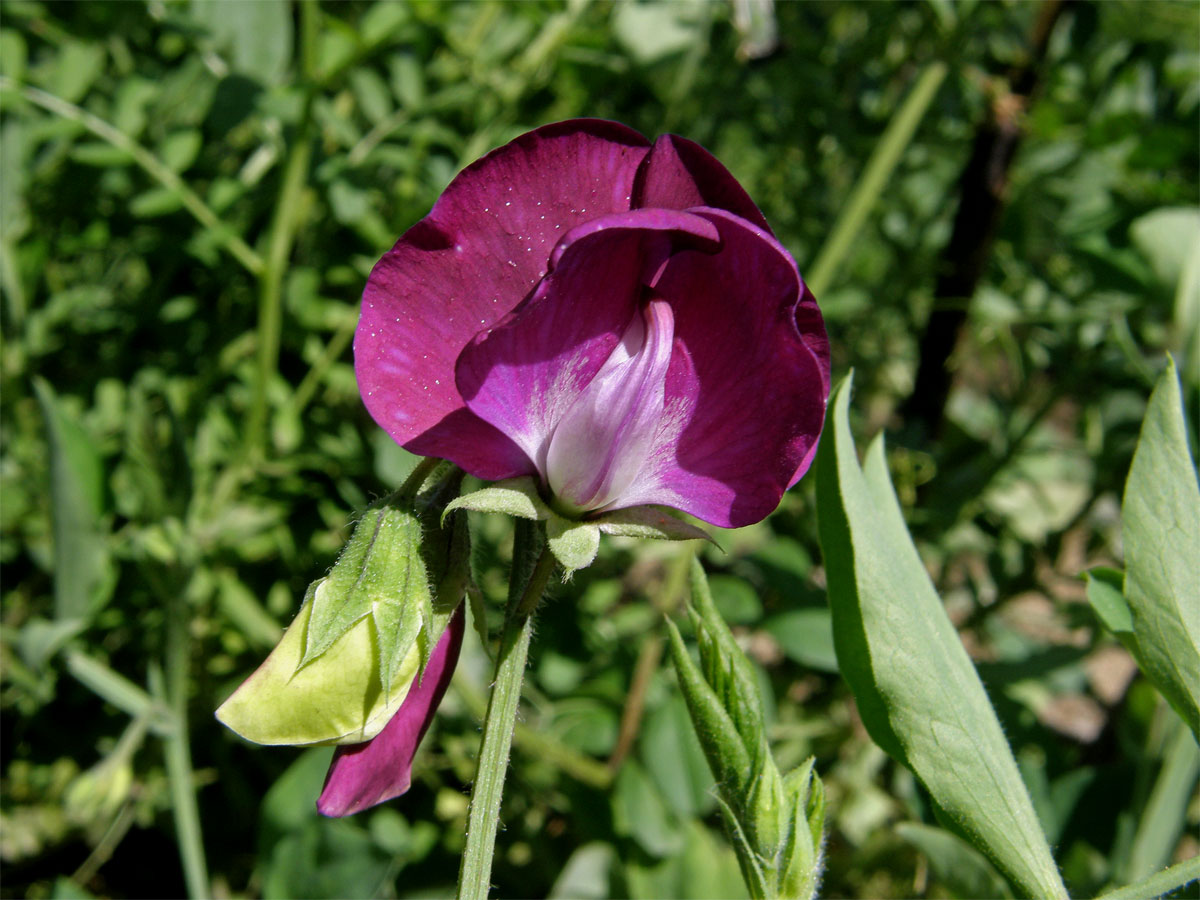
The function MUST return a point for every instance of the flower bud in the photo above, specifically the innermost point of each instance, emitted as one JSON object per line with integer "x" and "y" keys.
{"x": 800, "y": 861}
{"x": 338, "y": 698}
{"x": 775, "y": 824}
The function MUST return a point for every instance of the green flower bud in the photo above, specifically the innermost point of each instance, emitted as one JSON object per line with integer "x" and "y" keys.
{"x": 338, "y": 698}
{"x": 775, "y": 824}
{"x": 800, "y": 861}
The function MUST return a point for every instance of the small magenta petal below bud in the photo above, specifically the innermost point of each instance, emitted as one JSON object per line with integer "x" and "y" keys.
{"x": 367, "y": 774}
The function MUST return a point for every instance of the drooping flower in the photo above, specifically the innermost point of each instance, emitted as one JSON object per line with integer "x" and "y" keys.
{"x": 610, "y": 316}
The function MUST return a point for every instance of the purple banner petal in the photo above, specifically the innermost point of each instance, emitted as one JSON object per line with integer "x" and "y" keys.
{"x": 680, "y": 174}
{"x": 466, "y": 265}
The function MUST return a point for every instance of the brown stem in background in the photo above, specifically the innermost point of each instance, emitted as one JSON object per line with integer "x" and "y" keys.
{"x": 635, "y": 703}
{"x": 667, "y": 599}
{"x": 983, "y": 189}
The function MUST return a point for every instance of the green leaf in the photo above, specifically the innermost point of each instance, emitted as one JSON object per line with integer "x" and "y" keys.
{"x": 256, "y": 36}
{"x": 118, "y": 690}
{"x": 806, "y": 636}
{"x": 587, "y": 873}
{"x": 1165, "y": 814}
{"x": 79, "y": 65}
{"x": 243, "y": 609}
{"x": 1104, "y": 594}
{"x": 180, "y": 148}
{"x": 1167, "y": 237}
{"x": 675, "y": 761}
{"x": 157, "y": 201}
{"x": 640, "y": 812}
{"x": 917, "y": 691}
{"x": 706, "y": 868}
{"x": 1161, "y": 533}
{"x": 1165, "y": 882}
{"x": 82, "y": 568}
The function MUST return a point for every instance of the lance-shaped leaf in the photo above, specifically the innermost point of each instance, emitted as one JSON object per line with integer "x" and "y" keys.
{"x": 1161, "y": 532}
{"x": 917, "y": 691}
{"x": 82, "y": 568}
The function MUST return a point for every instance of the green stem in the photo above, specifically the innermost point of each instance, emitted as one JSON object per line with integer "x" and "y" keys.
{"x": 337, "y": 345}
{"x": 178, "y": 752}
{"x": 154, "y": 167}
{"x": 887, "y": 153}
{"x": 525, "y": 589}
{"x": 1165, "y": 815}
{"x": 284, "y": 224}
{"x": 1164, "y": 882}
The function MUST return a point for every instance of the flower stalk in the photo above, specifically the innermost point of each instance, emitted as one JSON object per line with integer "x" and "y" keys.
{"x": 533, "y": 564}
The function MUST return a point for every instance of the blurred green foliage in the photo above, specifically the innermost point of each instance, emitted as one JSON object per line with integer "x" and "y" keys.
{"x": 193, "y": 194}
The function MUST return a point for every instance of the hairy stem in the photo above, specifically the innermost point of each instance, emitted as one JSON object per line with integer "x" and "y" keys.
{"x": 525, "y": 588}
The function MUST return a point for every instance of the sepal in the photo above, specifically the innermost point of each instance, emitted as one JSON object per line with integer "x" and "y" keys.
{"x": 653, "y": 522}
{"x": 574, "y": 544}
{"x": 515, "y": 497}
{"x": 801, "y": 858}
{"x": 719, "y": 738}
{"x": 346, "y": 664}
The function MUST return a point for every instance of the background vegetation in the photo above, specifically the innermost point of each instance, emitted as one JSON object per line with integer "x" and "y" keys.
{"x": 193, "y": 195}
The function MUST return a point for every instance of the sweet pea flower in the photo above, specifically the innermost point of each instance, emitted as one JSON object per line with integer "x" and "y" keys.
{"x": 609, "y": 316}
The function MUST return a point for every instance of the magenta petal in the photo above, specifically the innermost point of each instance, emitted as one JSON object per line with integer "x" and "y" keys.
{"x": 680, "y": 174}
{"x": 523, "y": 375}
{"x": 466, "y": 265}
{"x": 746, "y": 392}
{"x": 363, "y": 775}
